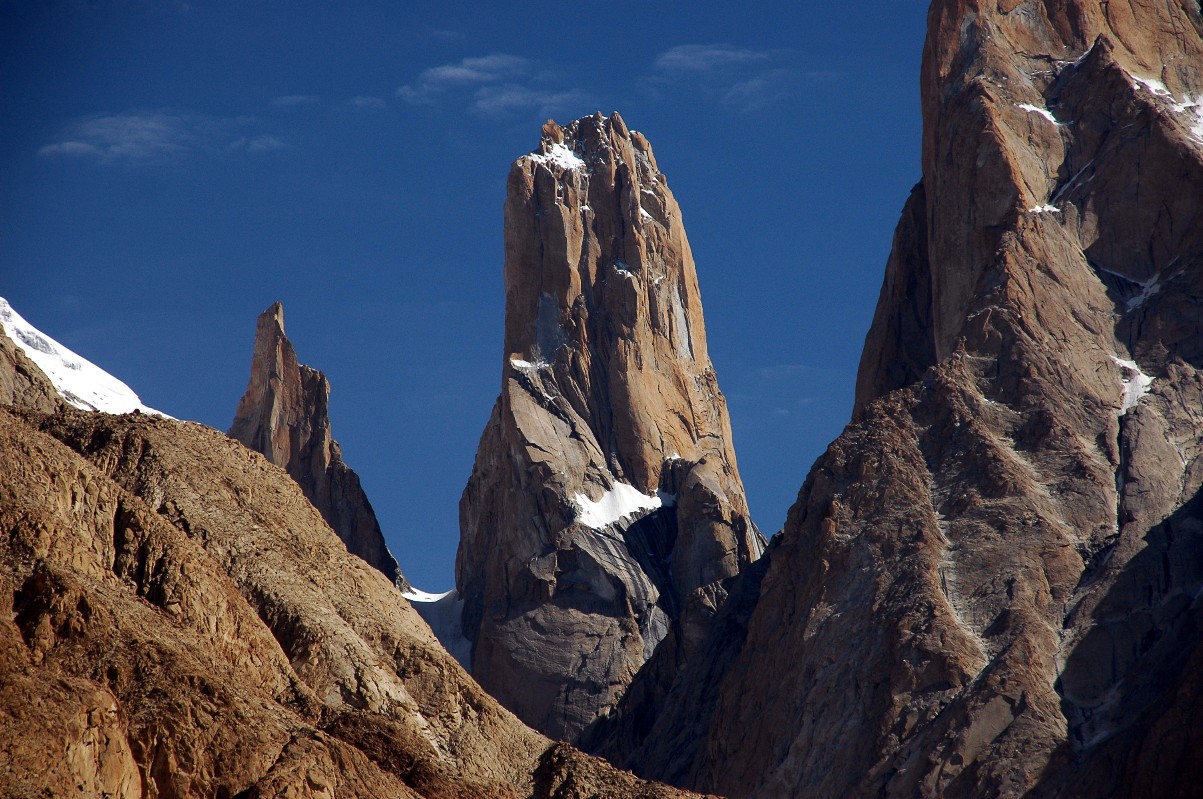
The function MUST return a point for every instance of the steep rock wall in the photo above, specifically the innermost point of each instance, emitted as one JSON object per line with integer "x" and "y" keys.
{"x": 989, "y": 584}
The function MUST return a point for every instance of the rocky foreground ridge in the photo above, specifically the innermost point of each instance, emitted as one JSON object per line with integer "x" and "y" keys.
{"x": 284, "y": 416}
{"x": 177, "y": 620}
{"x": 605, "y": 509}
{"x": 992, "y": 583}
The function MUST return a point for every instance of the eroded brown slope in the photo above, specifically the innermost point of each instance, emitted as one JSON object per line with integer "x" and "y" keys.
{"x": 184, "y": 624}
{"x": 990, "y": 582}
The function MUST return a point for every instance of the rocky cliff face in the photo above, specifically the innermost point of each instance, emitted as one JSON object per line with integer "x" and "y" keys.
{"x": 605, "y": 495}
{"x": 284, "y": 415}
{"x": 990, "y": 583}
{"x": 177, "y": 620}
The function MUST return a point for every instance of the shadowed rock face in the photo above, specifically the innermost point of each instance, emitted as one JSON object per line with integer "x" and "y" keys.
{"x": 605, "y": 494}
{"x": 177, "y": 620}
{"x": 284, "y": 415}
{"x": 989, "y": 584}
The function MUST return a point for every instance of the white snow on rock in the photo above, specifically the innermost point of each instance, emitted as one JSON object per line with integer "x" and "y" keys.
{"x": 1044, "y": 112}
{"x": 443, "y": 612}
{"x": 1191, "y": 107}
{"x": 1147, "y": 289}
{"x": 560, "y": 155}
{"x": 1045, "y": 209}
{"x": 1135, "y": 383}
{"x": 616, "y": 504}
{"x": 77, "y": 380}
{"x": 1153, "y": 85}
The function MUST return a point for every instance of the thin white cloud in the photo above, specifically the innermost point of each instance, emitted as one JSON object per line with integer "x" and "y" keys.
{"x": 740, "y": 79}
{"x": 146, "y": 137}
{"x": 442, "y": 34}
{"x": 257, "y": 144}
{"x": 70, "y": 148}
{"x": 373, "y": 103}
{"x": 707, "y": 58}
{"x": 760, "y": 90}
{"x": 292, "y": 100}
{"x": 515, "y": 98}
{"x": 126, "y": 137}
{"x": 493, "y": 85}
{"x": 435, "y": 81}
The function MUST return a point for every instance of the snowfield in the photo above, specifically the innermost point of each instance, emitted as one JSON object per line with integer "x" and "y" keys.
{"x": 77, "y": 380}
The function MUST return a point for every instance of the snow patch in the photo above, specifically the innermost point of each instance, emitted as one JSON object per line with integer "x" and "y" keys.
{"x": 560, "y": 155}
{"x": 77, "y": 380}
{"x": 1191, "y": 107}
{"x": 1153, "y": 85}
{"x": 519, "y": 363}
{"x": 1044, "y": 112}
{"x": 1044, "y": 209}
{"x": 1135, "y": 383}
{"x": 616, "y": 504}
{"x": 443, "y": 612}
{"x": 1147, "y": 289}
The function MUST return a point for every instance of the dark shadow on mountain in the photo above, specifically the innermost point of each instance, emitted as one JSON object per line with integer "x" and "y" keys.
{"x": 1132, "y": 689}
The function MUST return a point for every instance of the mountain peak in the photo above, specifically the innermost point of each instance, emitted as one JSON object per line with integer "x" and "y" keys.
{"x": 284, "y": 415}
{"x": 607, "y": 467}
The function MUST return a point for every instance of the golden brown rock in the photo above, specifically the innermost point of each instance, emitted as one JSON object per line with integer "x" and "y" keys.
{"x": 22, "y": 384}
{"x": 605, "y": 492}
{"x": 177, "y": 620}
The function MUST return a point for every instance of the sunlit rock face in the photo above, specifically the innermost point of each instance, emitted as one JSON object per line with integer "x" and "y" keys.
{"x": 989, "y": 584}
{"x": 178, "y": 620}
{"x": 605, "y": 495}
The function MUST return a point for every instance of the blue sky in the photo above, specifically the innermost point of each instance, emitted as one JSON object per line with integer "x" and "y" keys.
{"x": 169, "y": 169}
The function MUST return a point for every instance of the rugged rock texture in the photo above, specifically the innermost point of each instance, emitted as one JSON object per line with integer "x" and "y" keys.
{"x": 991, "y": 583}
{"x": 21, "y": 382}
{"x": 177, "y": 620}
{"x": 605, "y": 495}
{"x": 284, "y": 415}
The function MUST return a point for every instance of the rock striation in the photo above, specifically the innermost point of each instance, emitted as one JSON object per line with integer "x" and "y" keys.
{"x": 284, "y": 415}
{"x": 177, "y": 619}
{"x": 605, "y": 495}
{"x": 990, "y": 583}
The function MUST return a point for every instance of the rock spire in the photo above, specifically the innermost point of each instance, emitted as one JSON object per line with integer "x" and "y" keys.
{"x": 284, "y": 415}
{"x": 605, "y": 495}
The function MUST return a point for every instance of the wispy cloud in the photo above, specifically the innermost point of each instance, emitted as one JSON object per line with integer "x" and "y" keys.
{"x": 687, "y": 58}
{"x": 289, "y": 100}
{"x": 515, "y": 98}
{"x": 371, "y": 103}
{"x": 442, "y": 34}
{"x": 494, "y": 84}
{"x": 741, "y": 79}
{"x": 436, "y": 81}
{"x": 257, "y": 144}
{"x": 145, "y": 137}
